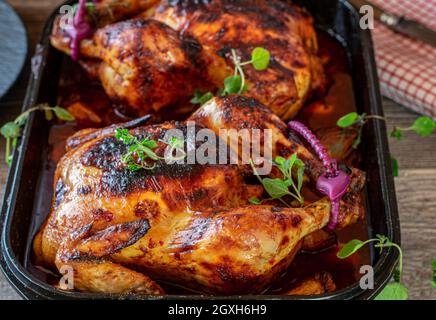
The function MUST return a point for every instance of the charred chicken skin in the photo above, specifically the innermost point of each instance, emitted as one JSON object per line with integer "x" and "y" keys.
{"x": 159, "y": 58}
{"x": 191, "y": 225}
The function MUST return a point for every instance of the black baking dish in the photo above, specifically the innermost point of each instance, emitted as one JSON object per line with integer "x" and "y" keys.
{"x": 341, "y": 20}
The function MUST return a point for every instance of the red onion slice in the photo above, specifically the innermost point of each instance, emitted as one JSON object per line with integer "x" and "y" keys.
{"x": 333, "y": 183}
{"x": 80, "y": 30}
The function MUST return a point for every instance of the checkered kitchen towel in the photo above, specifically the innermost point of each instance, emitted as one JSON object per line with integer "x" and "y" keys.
{"x": 407, "y": 67}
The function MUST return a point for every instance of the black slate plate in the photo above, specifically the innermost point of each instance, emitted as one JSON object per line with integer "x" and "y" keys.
{"x": 13, "y": 47}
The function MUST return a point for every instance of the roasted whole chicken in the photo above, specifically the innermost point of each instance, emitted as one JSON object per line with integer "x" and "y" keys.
{"x": 155, "y": 61}
{"x": 125, "y": 231}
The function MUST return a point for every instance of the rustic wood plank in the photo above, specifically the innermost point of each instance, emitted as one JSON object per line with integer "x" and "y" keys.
{"x": 416, "y": 188}
{"x": 416, "y": 194}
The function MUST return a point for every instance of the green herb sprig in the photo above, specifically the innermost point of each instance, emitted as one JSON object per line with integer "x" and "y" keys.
{"x": 11, "y": 131}
{"x": 138, "y": 152}
{"x": 279, "y": 188}
{"x": 423, "y": 126}
{"x": 393, "y": 291}
{"x": 141, "y": 150}
{"x": 236, "y": 83}
{"x": 355, "y": 121}
{"x": 201, "y": 98}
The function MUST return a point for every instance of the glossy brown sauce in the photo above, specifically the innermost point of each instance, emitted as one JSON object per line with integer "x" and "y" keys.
{"x": 318, "y": 114}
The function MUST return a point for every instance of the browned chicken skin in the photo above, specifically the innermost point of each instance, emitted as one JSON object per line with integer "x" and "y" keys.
{"x": 150, "y": 66}
{"x": 144, "y": 64}
{"x": 187, "y": 224}
{"x": 284, "y": 29}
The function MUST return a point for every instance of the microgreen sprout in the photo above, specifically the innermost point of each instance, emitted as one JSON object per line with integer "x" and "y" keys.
{"x": 423, "y": 126}
{"x": 393, "y": 291}
{"x": 278, "y": 188}
{"x": 260, "y": 59}
{"x": 355, "y": 121}
{"x": 236, "y": 83}
{"x": 11, "y": 131}
{"x": 201, "y": 98}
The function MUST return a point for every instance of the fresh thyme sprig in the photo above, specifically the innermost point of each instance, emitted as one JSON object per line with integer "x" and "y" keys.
{"x": 393, "y": 291}
{"x": 138, "y": 150}
{"x": 141, "y": 150}
{"x": 11, "y": 131}
{"x": 236, "y": 83}
{"x": 279, "y": 188}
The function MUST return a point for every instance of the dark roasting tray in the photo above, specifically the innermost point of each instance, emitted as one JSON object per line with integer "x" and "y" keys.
{"x": 337, "y": 17}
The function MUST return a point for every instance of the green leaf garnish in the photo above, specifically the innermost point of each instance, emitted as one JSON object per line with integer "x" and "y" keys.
{"x": 396, "y": 134}
{"x": 393, "y": 291}
{"x": 424, "y": 126}
{"x": 279, "y": 188}
{"x": 350, "y": 248}
{"x": 260, "y": 58}
{"x": 49, "y": 115}
{"x": 201, "y": 98}
{"x": 12, "y": 130}
{"x": 63, "y": 114}
{"x": 355, "y": 121}
{"x": 232, "y": 84}
{"x": 235, "y": 84}
{"x": 138, "y": 151}
{"x": 348, "y": 120}
{"x": 124, "y": 136}
{"x": 254, "y": 200}
{"x": 276, "y": 188}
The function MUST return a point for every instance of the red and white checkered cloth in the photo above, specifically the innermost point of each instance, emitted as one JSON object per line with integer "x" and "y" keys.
{"x": 407, "y": 67}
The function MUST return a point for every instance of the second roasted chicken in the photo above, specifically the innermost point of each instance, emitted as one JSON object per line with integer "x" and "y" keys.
{"x": 157, "y": 60}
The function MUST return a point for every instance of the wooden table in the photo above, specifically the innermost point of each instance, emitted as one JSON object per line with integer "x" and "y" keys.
{"x": 416, "y": 185}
